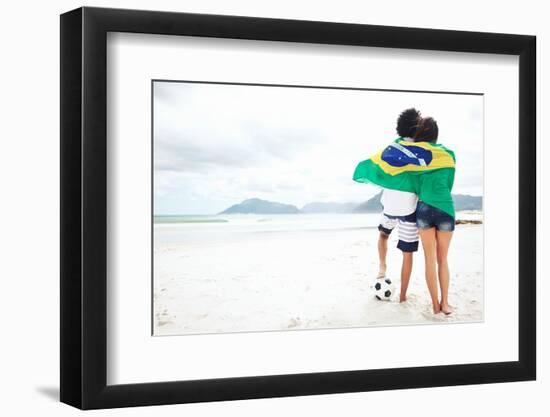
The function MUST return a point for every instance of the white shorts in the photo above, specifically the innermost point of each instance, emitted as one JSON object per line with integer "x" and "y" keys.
{"x": 408, "y": 231}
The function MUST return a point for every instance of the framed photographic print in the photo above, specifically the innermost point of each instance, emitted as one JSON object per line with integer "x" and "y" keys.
{"x": 257, "y": 207}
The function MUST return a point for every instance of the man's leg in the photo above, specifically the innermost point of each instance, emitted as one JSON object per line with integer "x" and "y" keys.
{"x": 408, "y": 243}
{"x": 382, "y": 251}
{"x": 406, "y": 270}
{"x": 385, "y": 228}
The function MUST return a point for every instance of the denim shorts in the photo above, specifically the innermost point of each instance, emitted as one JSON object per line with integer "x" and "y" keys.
{"x": 428, "y": 217}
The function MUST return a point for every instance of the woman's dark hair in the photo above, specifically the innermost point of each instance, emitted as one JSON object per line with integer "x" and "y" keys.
{"x": 407, "y": 122}
{"x": 426, "y": 131}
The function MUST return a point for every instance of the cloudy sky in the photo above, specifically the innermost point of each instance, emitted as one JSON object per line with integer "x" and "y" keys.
{"x": 216, "y": 145}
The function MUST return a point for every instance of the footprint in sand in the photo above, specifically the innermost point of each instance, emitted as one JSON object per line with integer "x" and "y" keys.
{"x": 294, "y": 322}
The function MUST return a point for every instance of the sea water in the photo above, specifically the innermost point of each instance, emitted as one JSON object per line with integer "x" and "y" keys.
{"x": 190, "y": 229}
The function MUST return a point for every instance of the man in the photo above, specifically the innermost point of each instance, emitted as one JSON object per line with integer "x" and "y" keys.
{"x": 400, "y": 210}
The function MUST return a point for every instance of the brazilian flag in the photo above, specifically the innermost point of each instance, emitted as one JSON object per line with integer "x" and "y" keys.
{"x": 424, "y": 168}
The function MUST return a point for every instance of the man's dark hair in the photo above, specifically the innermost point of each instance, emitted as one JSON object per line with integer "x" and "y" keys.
{"x": 407, "y": 123}
{"x": 427, "y": 130}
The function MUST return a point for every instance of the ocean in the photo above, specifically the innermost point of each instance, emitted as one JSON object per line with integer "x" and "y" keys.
{"x": 194, "y": 228}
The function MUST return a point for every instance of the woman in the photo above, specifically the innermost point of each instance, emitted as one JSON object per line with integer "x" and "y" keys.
{"x": 435, "y": 226}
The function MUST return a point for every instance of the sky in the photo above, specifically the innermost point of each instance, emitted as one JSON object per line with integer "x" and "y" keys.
{"x": 217, "y": 145}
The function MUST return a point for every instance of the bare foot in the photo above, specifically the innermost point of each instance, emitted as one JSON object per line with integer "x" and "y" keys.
{"x": 436, "y": 308}
{"x": 402, "y": 298}
{"x": 381, "y": 272}
{"x": 446, "y": 309}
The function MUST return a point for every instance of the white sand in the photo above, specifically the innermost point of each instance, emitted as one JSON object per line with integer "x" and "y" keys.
{"x": 264, "y": 275}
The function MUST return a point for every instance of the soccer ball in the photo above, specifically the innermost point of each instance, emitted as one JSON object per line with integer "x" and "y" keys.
{"x": 383, "y": 289}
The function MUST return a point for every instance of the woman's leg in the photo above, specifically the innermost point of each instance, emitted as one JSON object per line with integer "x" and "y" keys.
{"x": 443, "y": 242}
{"x": 427, "y": 236}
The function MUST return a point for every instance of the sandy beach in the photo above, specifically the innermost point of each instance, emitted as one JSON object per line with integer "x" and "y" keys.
{"x": 291, "y": 272}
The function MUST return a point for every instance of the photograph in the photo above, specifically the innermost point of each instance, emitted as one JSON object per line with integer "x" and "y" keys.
{"x": 286, "y": 207}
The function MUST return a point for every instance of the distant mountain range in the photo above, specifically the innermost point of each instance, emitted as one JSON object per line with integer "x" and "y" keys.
{"x": 373, "y": 205}
{"x": 257, "y": 206}
{"x": 467, "y": 202}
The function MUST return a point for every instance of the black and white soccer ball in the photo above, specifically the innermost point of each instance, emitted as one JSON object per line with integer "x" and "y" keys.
{"x": 383, "y": 289}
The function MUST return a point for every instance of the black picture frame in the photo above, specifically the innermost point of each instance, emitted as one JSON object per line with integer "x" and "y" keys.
{"x": 84, "y": 207}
